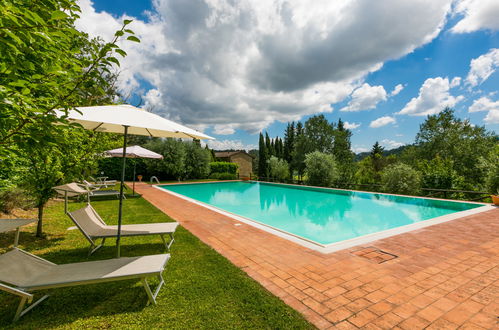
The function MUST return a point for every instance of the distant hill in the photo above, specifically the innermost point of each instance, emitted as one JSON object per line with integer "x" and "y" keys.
{"x": 396, "y": 151}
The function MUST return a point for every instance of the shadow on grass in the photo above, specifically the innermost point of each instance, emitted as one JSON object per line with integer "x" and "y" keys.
{"x": 65, "y": 305}
{"x": 28, "y": 240}
{"x": 108, "y": 251}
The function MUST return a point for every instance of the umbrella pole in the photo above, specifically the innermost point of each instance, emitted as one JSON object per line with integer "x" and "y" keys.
{"x": 120, "y": 211}
{"x": 133, "y": 186}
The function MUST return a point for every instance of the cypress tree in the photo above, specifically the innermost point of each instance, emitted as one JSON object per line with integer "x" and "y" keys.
{"x": 289, "y": 142}
{"x": 262, "y": 157}
{"x": 268, "y": 145}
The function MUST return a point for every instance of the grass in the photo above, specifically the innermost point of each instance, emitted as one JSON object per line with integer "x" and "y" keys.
{"x": 202, "y": 290}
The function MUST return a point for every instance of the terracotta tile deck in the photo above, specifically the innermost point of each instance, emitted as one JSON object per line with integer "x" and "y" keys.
{"x": 445, "y": 276}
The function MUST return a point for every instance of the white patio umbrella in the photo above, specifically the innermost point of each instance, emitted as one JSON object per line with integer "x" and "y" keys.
{"x": 133, "y": 152}
{"x": 126, "y": 119}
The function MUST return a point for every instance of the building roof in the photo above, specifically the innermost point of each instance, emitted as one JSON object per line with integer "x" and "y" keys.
{"x": 228, "y": 154}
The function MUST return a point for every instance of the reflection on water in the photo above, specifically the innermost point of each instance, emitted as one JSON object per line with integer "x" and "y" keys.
{"x": 324, "y": 216}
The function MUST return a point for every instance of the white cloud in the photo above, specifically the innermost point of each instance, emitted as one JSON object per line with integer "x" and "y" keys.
{"x": 484, "y": 104}
{"x": 365, "y": 97}
{"x": 492, "y": 117}
{"x": 433, "y": 97}
{"x": 390, "y": 144}
{"x": 358, "y": 150}
{"x": 478, "y": 14}
{"x": 397, "y": 90}
{"x": 482, "y": 67}
{"x": 456, "y": 81}
{"x": 351, "y": 125}
{"x": 230, "y": 144}
{"x": 382, "y": 121}
{"x": 250, "y": 63}
{"x": 224, "y": 129}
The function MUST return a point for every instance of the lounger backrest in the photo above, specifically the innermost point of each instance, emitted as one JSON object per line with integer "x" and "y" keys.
{"x": 87, "y": 220}
{"x": 17, "y": 267}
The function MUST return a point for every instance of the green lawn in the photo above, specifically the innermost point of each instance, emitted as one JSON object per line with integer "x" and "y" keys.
{"x": 203, "y": 289}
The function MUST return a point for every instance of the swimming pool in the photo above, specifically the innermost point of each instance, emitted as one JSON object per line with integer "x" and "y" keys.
{"x": 329, "y": 219}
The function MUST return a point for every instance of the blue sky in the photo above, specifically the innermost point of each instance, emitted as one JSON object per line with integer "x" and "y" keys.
{"x": 234, "y": 69}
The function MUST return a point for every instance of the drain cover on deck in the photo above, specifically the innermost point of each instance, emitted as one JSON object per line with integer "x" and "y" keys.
{"x": 373, "y": 254}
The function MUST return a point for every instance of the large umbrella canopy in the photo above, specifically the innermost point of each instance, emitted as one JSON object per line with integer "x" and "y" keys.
{"x": 113, "y": 119}
{"x": 126, "y": 119}
{"x": 133, "y": 152}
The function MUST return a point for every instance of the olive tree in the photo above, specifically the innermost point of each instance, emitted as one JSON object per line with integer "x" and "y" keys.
{"x": 401, "y": 179}
{"x": 320, "y": 169}
{"x": 279, "y": 168}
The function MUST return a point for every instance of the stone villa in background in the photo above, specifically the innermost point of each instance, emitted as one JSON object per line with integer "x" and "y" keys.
{"x": 241, "y": 158}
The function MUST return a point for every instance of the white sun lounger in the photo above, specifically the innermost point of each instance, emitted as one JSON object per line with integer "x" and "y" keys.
{"x": 104, "y": 182}
{"x": 94, "y": 190}
{"x": 93, "y": 227}
{"x": 21, "y": 273}
{"x": 11, "y": 224}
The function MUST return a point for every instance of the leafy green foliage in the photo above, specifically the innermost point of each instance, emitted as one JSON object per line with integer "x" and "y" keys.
{"x": 262, "y": 157}
{"x": 279, "y": 168}
{"x": 401, "y": 179}
{"x": 439, "y": 173}
{"x": 321, "y": 169}
{"x": 45, "y": 64}
{"x": 197, "y": 161}
{"x": 181, "y": 160}
{"x": 223, "y": 167}
{"x": 492, "y": 170}
{"x": 450, "y": 138}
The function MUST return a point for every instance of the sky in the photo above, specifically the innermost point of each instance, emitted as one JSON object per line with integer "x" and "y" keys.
{"x": 234, "y": 68}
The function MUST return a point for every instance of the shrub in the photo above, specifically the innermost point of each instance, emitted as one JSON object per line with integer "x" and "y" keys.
{"x": 320, "y": 169}
{"x": 401, "y": 179}
{"x": 438, "y": 173}
{"x": 14, "y": 198}
{"x": 279, "y": 168}
{"x": 223, "y": 176}
{"x": 223, "y": 167}
{"x": 492, "y": 179}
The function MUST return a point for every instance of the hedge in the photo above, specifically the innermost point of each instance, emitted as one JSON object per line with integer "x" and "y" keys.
{"x": 223, "y": 167}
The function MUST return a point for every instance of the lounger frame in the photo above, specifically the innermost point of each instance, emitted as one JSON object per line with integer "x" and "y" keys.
{"x": 26, "y": 294}
{"x": 94, "y": 246}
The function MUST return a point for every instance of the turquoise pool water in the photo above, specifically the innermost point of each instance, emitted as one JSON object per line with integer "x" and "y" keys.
{"x": 324, "y": 216}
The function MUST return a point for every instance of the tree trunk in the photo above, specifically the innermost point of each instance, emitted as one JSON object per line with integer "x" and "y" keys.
{"x": 39, "y": 231}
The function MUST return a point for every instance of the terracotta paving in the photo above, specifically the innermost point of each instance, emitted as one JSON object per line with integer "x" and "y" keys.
{"x": 443, "y": 277}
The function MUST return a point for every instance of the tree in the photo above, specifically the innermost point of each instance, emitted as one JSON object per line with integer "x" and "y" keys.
{"x": 197, "y": 161}
{"x": 48, "y": 164}
{"x": 438, "y": 173}
{"x": 449, "y": 137}
{"x": 174, "y": 154}
{"x": 401, "y": 179}
{"x": 492, "y": 170}
{"x": 268, "y": 145}
{"x": 321, "y": 169}
{"x": 278, "y": 168}
{"x": 301, "y": 148}
{"x": 320, "y": 134}
{"x": 46, "y": 64}
{"x": 377, "y": 158}
{"x": 343, "y": 153}
{"x": 289, "y": 142}
{"x": 262, "y": 157}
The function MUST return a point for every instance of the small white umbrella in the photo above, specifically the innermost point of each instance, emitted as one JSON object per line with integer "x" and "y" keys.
{"x": 126, "y": 119}
{"x": 133, "y": 152}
